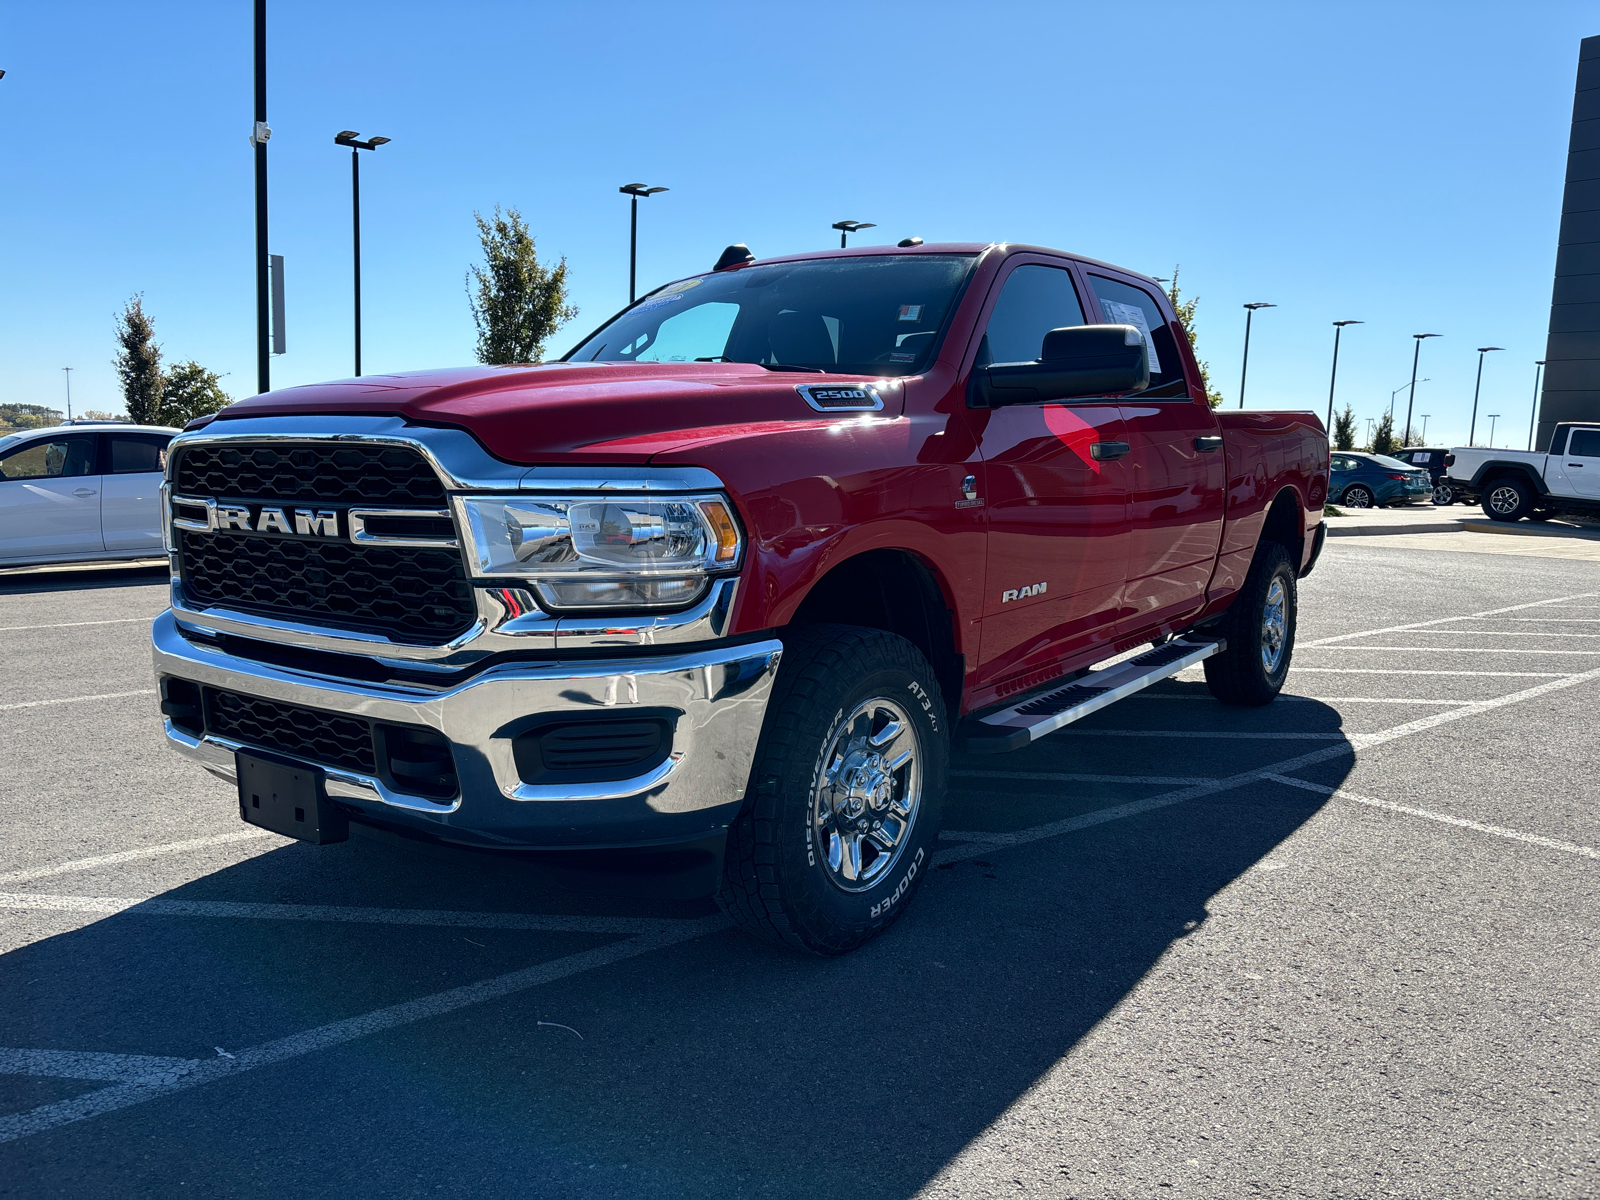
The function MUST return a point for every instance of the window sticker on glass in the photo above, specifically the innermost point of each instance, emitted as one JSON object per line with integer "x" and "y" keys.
{"x": 902, "y": 358}
{"x": 911, "y": 312}
{"x": 1132, "y": 314}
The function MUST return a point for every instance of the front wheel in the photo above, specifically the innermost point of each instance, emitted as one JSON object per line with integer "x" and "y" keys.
{"x": 1444, "y": 495}
{"x": 1259, "y": 628}
{"x": 1356, "y": 496}
{"x": 1507, "y": 499}
{"x": 841, "y": 820}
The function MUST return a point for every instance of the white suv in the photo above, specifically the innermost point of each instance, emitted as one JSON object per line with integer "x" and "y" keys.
{"x": 81, "y": 492}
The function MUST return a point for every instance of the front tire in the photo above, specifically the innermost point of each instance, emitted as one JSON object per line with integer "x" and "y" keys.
{"x": 1259, "y": 628}
{"x": 1356, "y": 496}
{"x": 1507, "y": 499}
{"x": 841, "y": 820}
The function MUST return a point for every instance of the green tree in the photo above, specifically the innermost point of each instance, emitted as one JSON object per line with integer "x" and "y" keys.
{"x": 1383, "y": 435}
{"x": 27, "y": 416}
{"x": 138, "y": 363}
{"x": 517, "y": 302}
{"x": 1185, "y": 310}
{"x": 190, "y": 391}
{"x": 1344, "y": 429}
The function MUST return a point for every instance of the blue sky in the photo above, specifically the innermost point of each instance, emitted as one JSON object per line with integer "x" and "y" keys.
{"x": 1396, "y": 163}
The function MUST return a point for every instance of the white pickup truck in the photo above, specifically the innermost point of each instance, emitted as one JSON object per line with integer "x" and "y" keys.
{"x": 1512, "y": 484}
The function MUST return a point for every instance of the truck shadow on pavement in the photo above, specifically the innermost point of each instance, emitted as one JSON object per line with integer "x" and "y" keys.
{"x": 714, "y": 1067}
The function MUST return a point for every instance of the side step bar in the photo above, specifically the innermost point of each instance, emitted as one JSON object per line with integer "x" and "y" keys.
{"x": 1013, "y": 728}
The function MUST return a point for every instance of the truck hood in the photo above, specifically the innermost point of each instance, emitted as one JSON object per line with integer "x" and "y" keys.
{"x": 583, "y": 412}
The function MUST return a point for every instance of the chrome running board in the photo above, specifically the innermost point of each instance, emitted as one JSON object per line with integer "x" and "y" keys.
{"x": 1013, "y": 728}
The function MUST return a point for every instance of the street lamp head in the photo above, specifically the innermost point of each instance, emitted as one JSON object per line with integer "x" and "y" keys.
{"x": 1341, "y": 324}
{"x": 1420, "y": 336}
{"x": 374, "y": 143}
{"x": 852, "y": 226}
{"x": 1486, "y": 349}
{"x": 639, "y": 189}
{"x": 1260, "y": 304}
{"x": 344, "y": 137}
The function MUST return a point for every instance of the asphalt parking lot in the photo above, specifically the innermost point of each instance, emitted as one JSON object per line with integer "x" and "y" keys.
{"x": 1342, "y": 946}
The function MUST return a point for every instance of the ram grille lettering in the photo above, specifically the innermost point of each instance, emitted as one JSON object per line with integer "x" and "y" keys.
{"x": 272, "y": 520}
{"x": 322, "y": 524}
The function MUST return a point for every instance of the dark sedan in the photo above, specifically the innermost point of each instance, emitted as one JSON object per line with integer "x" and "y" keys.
{"x": 1360, "y": 480}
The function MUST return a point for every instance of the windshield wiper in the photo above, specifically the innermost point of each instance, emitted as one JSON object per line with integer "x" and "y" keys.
{"x": 791, "y": 367}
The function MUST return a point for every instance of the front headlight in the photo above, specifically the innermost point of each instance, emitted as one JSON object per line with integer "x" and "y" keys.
{"x": 615, "y": 551}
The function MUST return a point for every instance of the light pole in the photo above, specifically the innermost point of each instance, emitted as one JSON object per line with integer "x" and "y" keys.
{"x": 1244, "y": 370}
{"x": 347, "y": 137}
{"x": 1370, "y": 424}
{"x": 259, "y": 133}
{"x": 68, "y": 370}
{"x": 635, "y": 190}
{"x": 1425, "y": 417}
{"x": 1538, "y": 369}
{"x": 846, "y": 228}
{"x": 1396, "y": 392}
{"x": 1338, "y": 328}
{"x": 1411, "y": 399}
{"x": 1473, "y": 428}
{"x": 1492, "y": 418}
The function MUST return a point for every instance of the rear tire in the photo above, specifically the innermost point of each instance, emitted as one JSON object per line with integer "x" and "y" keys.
{"x": 1260, "y": 629}
{"x": 1507, "y": 499}
{"x": 841, "y": 819}
{"x": 1356, "y": 496}
{"x": 1443, "y": 495}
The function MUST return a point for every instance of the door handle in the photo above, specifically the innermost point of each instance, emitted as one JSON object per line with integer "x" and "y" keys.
{"x": 85, "y": 492}
{"x": 1578, "y": 465}
{"x": 1207, "y": 444}
{"x": 1106, "y": 451}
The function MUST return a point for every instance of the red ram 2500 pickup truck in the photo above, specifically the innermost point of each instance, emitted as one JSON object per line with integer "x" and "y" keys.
{"x": 735, "y": 574}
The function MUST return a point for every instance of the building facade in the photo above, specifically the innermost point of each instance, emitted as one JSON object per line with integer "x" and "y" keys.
{"x": 1572, "y": 355}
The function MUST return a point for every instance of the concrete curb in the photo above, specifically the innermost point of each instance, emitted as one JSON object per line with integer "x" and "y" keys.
{"x": 1382, "y": 530}
{"x": 1523, "y": 529}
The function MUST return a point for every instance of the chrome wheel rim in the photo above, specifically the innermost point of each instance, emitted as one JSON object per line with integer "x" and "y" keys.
{"x": 867, "y": 796}
{"x": 1274, "y": 626}
{"x": 1358, "y": 498}
{"x": 1505, "y": 499}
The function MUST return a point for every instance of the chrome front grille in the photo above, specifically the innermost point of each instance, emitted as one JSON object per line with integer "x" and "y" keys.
{"x": 308, "y": 472}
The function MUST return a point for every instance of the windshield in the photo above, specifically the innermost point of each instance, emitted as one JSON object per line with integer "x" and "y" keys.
{"x": 872, "y": 315}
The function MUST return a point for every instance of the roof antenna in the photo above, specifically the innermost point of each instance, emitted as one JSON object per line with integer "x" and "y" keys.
{"x": 910, "y": 241}
{"x": 736, "y": 255}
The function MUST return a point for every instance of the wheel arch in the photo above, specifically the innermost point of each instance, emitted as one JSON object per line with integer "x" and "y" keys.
{"x": 897, "y": 591}
{"x": 1494, "y": 470}
{"x": 1285, "y": 524}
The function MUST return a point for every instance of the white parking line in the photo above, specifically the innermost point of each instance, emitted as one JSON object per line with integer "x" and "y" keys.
{"x": 1320, "y": 699}
{"x": 1559, "y": 633}
{"x": 122, "y": 856}
{"x": 1493, "y": 612}
{"x": 1497, "y": 830}
{"x": 1542, "y": 620}
{"x": 77, "y": 624}
{"x": 1061, "y": 777}
{"x": 77, "y": 699}
{"x": 238, "y": 910}
{"x": 110, "y": 1099}
{"x": 144, "y": 1069}
{"x": 1449, "y": 650}
{"x": 1202, "y": 733}
{"x": 1299, "y": 670}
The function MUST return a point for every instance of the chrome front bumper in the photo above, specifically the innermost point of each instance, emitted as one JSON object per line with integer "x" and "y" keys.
{"x": 720, "y": 692}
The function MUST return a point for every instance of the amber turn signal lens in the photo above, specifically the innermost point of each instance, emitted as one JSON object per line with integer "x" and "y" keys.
{"x": 727, "y": 533}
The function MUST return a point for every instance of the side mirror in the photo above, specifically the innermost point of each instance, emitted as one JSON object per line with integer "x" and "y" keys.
{"x": 1080, "y": 360}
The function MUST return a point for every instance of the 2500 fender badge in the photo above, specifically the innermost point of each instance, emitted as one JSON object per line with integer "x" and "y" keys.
{"x": 1022, "y": 593}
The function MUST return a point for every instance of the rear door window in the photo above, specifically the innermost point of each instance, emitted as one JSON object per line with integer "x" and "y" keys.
{"x": 1124, "y": 304}
{"x": 137, "y": 453}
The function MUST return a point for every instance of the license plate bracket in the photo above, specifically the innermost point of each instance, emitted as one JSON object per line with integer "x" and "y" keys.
{"x": 288, "y": 798}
